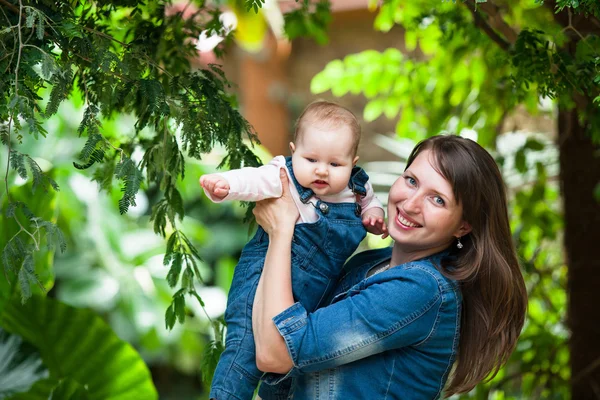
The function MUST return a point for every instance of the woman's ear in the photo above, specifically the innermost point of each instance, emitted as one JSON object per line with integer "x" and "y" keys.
{"x": 464, "y": 229}
{"x": 292, "y": 147}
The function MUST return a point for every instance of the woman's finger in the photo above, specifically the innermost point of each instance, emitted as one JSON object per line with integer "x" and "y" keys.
{"x": 284, "y": 183}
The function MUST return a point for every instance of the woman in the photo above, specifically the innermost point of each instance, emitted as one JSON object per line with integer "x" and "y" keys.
{"x": 447, "y": 296}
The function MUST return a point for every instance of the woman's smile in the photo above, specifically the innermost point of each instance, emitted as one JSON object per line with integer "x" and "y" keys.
{"x": 404, "y": 221}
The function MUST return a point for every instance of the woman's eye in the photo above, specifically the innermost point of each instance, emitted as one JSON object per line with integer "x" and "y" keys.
{"x": 439, "y": 201}
{"x": 411, "y": 181}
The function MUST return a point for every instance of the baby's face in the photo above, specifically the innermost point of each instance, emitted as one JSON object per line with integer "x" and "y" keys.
{"x": 323, "y": 159}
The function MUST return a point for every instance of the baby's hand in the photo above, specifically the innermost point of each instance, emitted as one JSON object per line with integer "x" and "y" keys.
{"x": 216, "y": 185}
{"x": 374, "y": 223}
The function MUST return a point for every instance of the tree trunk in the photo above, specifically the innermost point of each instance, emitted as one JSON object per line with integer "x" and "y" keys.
{"x": 579, "y": 174}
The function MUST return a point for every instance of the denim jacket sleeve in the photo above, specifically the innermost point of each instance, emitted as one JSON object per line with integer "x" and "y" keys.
{"x": 390, "y": 310}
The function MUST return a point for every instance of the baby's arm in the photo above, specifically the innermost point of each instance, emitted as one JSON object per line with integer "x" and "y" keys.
{"x": 373, "y": 216}
{"x": 215, "y": 186}
{"x": 247, "y": 184}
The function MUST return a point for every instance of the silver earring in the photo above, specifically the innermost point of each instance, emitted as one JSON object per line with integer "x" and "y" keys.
{"x": 459, "y": 244}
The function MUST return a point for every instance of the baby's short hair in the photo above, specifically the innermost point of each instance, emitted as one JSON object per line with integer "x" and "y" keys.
{"x": 327, "y": 114}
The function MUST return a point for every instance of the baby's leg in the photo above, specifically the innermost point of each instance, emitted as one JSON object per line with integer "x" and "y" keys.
{"x": 237, "y": 376}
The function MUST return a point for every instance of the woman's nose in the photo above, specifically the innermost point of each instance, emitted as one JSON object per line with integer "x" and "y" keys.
{"x": 412, "y": 204}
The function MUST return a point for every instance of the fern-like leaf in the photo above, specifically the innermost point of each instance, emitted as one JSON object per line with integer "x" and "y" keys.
{"x": 96, "y": 156}
{"x": 39, "y": 177}
{"x": 62, "y": 84}
{"x": 159, "y": 216}
{"x": 175, "y": 270}
{"x": 94, "y": 141}
{"x": 53, "y": 236}
{"x": 254, "y": 5}
{"x": 104, "y": 175}
{"x": 170, "y": 248}
{"x": 187, "y": 277}
{"x": 90, "y": 121}
{"x": 132, "y": 178}
{"x": 209, "y": 360}
{"x": 170, "y": 317}
{"x": 27, "y": 277}
{"x": 4, "y": 136}
{"x": 179, "y": 306}
{"x": 176, "y": 202}
{"x": 17, "y": 162}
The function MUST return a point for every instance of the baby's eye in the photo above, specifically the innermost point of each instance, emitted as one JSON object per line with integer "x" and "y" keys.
{"x": 439, "y": 201}
{"x": 335, "y": 164}
{"x": 311, "y": 160}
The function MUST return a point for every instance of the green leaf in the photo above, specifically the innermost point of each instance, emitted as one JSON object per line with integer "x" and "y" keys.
{"x": 76, "y": 344}
{"x": 179, "y": 307}
{"x": 170, "y": 317}
{"x": 587, "y": 49}
{"x": 175, "y": 270}
{"x": 254, "y": 5}
{"x": 532, "y": 144}
{"x": 410, "y": 40}
{"x": 96, "y": 156}
{"x": 20, "y": 366}
{"x": 31, "y": 15}
{"x": 17, "y": 162}
{"x": 28, "y": 276}
{"x": 320, "y": 83}
{"x": 39, "y": 177}
{"x": 209, "y": 361}
{"x": 39, "y": 29}
{"x": 187, "y": 279}
{"x": 374, "y": 109}
{"x": 69, "y": 389}
{"x": 132, "y": 177}
{"x": 521, "y": 161}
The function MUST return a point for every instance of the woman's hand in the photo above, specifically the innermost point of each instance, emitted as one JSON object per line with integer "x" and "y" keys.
{"x": 278, "y": 216}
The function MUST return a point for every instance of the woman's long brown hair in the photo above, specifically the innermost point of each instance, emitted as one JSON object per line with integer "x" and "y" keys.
{"x": 494, "y": 296}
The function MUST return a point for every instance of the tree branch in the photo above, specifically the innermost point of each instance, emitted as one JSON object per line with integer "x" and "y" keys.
{"x": 586, "y": 371}
{"x": 494, "y": 23}
{"x": 12, "y": 7}
{"x": 582, "y": 24}
{"x": 485, "y": 27}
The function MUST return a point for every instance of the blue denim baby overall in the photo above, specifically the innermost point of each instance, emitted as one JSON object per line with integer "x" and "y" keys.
{"x": 319, "y": 250}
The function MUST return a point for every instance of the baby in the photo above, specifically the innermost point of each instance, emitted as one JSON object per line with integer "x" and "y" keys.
{"x": 337, "y": 206}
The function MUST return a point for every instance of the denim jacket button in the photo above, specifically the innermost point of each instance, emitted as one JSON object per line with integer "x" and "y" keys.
{"x": 324, "y": 208}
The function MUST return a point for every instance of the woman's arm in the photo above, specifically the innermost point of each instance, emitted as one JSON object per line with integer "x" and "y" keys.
{"x": 274, "y": 293}
{"x": 392, "y": 310}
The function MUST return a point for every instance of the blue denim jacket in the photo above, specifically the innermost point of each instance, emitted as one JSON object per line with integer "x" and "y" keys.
{"x": 393, "y": 335}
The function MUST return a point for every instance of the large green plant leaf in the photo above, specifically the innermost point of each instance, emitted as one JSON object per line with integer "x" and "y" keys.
{"x": 69, "y": 390}
{"x": 77, "y": 345}
{"x": 20, "y": 365}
